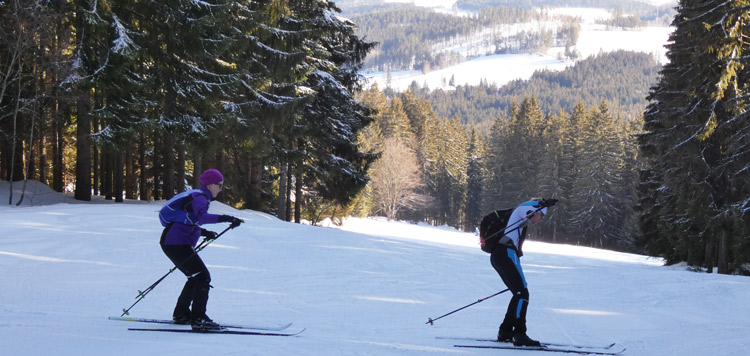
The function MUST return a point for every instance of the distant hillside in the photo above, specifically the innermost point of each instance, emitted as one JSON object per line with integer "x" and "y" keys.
{"x": 417, "y": 38}
{"x": 638, "y": 8}
{"x": 622, "y": 78}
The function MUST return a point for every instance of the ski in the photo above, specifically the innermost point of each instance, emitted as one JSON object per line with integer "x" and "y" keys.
{"x": 222, "y": 331}
{"x": 165, "y": 321}
{"x": 543, "y": 348}
{"x": 577, "y": 346}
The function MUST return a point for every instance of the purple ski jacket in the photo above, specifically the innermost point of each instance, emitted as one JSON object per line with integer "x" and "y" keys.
{"x": 182, "y": 234}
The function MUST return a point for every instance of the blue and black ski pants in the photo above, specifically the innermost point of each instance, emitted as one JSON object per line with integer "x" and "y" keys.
{"x": 507, "y": 264}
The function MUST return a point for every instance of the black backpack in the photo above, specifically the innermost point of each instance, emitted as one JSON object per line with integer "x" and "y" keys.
{"x": 491, "y": 228}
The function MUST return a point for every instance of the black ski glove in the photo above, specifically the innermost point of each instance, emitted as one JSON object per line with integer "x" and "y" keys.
{"x": 231, "y": 219}
{"x": 546, "y": 203}
{"x": 210, "y": 235}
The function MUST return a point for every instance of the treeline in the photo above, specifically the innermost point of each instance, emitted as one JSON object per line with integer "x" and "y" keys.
{"x": 633, "y": 7}
{"x": 427, "y": 42}
{"x": 621, "y": 78}
{"x": 694, "y": 191}
{"x": 433, "y": 169}
{"x": 619, "y": 19}
{"x": 132, "y": 99}
{"x": 587, "y": 158}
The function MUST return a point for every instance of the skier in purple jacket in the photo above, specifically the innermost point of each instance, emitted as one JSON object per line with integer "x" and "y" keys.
{"x": 178, "y": 241}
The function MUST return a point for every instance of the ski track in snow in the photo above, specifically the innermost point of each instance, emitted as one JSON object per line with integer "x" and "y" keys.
{"x": 366, "y": 288}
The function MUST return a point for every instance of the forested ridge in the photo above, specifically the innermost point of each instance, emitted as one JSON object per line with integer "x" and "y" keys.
{"x": 434, "y": 40}
{"x": 621, "y": 78}
{"x": 638, "y": 8}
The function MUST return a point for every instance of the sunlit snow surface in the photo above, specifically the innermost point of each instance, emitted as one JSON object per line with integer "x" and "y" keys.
{"x": 367, "y": 288}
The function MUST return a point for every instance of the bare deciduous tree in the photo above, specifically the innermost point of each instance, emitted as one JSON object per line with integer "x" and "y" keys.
{"x": 396, "y": 180}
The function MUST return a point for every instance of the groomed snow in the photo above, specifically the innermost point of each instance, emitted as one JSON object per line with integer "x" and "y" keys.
{"x": 366, "y": 288}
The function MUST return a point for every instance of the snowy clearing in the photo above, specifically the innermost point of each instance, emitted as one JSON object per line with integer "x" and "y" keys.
{"x": 366, "y": 288}
{"x": 501, "y": 69}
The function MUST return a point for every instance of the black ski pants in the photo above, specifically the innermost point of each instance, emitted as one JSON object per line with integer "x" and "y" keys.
{"x": 507, "y": 264}
{"x": 198, "y": 282}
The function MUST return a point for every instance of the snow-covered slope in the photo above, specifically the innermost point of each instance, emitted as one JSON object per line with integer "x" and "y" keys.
{"x": 364, "y": 289}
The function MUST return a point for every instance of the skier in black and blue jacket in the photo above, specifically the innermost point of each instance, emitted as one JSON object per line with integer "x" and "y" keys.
{"x": 505, "y": 258}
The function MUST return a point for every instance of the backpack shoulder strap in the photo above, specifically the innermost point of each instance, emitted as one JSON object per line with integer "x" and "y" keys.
{"x": 187, "y": 203}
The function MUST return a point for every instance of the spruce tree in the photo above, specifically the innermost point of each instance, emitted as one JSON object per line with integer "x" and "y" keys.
{"x": 335, "y": 168}
{"x": 475, "y": 183}
{"x": 687, "y": 197}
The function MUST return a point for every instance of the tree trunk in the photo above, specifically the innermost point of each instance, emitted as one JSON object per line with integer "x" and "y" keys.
{"x": 57, "y": 152}
{"x": 298, "y": 196}
{"x": 83, "y": 148}
{"x": 156, "y": 164}
{"x": 96, "y": 166}
{"x": 197, "y": 168}
{"x": 281, "y": 201}
{"x": 180, "y": 179}
{"x": 131, "y": 186}
{"x": 17, "y": 165}
{"x": 142, "y": 190}
{"x": 118, "y": 156}
{"x": 709, "y": 259}
{"x": 256, "y": 183}
{"x": 723, "y": 252}
{"x": 42, "y": 158}
{"x": 169, "y": 166}
{"x": 3, "y": 158}
{"x": 108, "y": 164}
{"x": 288, "y": 194}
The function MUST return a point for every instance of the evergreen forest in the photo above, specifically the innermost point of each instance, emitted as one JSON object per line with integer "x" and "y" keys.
{"x": 621, "y": 77}
{"x": 123, "y": 99}
{"x": 132, "y": 100}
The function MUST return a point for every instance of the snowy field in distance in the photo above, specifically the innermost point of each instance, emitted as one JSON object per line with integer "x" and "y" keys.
{"x": 503, "y": 68}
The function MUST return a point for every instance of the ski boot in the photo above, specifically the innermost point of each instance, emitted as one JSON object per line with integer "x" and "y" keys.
{"x": 521, "y": 339}
{"x": 204, "y": 323}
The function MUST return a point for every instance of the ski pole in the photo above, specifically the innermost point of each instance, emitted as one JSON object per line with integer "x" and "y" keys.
{"x": 544, "y": 204}
{"x": 522, "y": 219}
{"x": 431, "y": 320}
{"x": 199, "y": 248}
